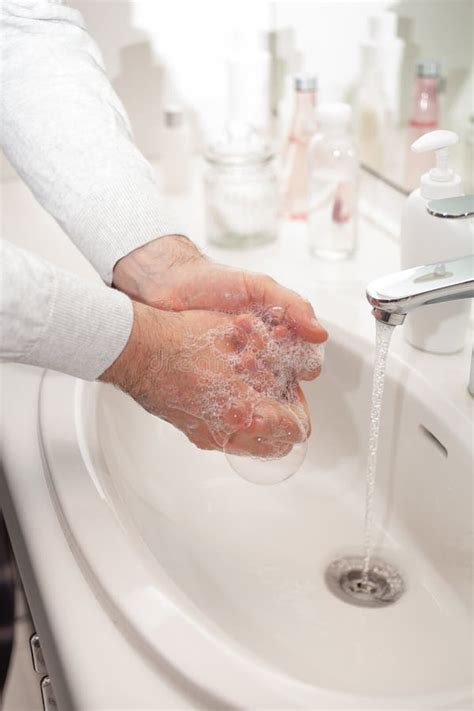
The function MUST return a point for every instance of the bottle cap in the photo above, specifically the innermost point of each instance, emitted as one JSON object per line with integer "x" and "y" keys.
{"x": 334, "y": 114}
{"x": 441, "y": 181}
{"x": 306, "y": 82}
{"x": 428, "y": 68}
{"x": 173, "y": 116}
{"x": 238, "y": 145}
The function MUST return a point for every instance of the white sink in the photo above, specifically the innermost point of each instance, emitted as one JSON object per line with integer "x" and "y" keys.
{"x": 220, "y": 583}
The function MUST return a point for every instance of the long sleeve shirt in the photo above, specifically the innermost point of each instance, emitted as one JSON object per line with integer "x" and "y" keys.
{"x": 68, "y": 136}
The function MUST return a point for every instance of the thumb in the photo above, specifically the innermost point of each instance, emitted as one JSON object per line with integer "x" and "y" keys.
{"x": 296, "y": 312}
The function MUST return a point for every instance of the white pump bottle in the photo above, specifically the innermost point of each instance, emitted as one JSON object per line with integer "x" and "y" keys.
{"x": 426, "y": 239}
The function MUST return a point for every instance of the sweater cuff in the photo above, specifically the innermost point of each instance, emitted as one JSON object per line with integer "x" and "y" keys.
{"x": 87, "y": 328}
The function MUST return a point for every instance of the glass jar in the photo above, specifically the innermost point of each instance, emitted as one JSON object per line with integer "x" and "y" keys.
{"x": 240, "y": 189}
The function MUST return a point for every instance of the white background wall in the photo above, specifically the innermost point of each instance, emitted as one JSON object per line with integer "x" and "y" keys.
{"x": 329, "y": 32}
{"x": 160, "y": 50}
{"x": 184, "y": 44}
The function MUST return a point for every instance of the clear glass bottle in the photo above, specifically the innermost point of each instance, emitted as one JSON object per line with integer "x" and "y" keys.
{"x": 425, "y": 104}
{"x": 240, "y": 189}
{"x": 333, "y": 185}
{"x": 294, "y": 164}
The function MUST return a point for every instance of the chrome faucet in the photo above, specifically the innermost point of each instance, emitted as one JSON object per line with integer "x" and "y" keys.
{"x": 395, "y": 295}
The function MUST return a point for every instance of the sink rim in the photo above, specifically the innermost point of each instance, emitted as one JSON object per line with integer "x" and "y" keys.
{"x": 119, "y": 594}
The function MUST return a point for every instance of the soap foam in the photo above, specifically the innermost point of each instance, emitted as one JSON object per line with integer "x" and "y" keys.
{"x": 268, "y": 357}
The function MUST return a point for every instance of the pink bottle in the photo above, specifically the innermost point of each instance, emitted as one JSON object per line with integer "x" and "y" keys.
{"x": 424, "y": 118}
{"x": 425, "y": 107}
{"x": 294, "y": 176}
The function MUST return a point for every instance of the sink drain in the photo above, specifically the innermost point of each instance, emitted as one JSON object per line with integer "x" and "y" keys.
{"x": 382, "y": 586}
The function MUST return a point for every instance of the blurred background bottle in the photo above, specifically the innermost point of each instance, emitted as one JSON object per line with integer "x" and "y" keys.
{"x": 175, "y": 158}
{"x": 286, "y": 62}
{"x": 424, "y": 117}
{"x": 294, "y": 161}
{"x": 425, "y": 100}
{"x": 248, "y": 65}
{"x": 333, "y": 184}
{"x": 378, "y": 93}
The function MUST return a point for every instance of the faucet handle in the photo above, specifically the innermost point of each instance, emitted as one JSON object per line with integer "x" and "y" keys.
{"x": 453, "y": 207}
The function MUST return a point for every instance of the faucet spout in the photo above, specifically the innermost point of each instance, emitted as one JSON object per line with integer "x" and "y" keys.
{"x": 395, "y": 295}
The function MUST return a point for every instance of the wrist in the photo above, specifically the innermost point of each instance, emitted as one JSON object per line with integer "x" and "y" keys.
{"x": 149, "y": 337}
{"x": 120, "y": 370}
{"x": 142, "y": 270}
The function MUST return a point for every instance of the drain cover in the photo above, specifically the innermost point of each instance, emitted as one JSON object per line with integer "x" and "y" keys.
{"x": 381, "y": 586}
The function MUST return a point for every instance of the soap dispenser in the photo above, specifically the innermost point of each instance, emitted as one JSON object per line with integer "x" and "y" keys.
{"x": 426, "y": 239}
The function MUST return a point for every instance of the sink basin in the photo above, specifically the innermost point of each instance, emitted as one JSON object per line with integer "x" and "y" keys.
{"x": 220, "y": 583}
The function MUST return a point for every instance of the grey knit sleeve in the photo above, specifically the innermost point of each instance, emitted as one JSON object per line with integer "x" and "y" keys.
{"x": 54, "y": 319}
{"x": 68, "y": 136}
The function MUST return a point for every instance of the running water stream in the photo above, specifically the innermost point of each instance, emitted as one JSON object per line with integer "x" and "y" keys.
{"x": 382, "y": 344}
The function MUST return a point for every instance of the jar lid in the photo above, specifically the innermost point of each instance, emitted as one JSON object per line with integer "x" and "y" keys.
{"x": 305, "y": 82}
{"x": 239, "y": 144}
{"x": 428, "y": 68}
{"x": 173, "y": 116}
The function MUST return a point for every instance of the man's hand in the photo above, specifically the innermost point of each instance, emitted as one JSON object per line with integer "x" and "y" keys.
{"x": 188, "y": 369}
{"x": 170, "y": 273}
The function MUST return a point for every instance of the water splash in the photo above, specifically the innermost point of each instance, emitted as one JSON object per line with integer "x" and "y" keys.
{"x": 382, "y": 344}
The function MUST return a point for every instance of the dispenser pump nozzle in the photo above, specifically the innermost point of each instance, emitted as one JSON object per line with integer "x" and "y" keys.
{"x": 441, "y": 181}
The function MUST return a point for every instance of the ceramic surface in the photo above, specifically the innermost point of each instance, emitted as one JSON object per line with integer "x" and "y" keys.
{"x": 222, "y": 580}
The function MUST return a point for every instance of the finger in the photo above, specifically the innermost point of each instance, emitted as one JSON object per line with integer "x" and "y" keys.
{"x": 258, "y": 376}
{"x": 281, "y": 331}
{"x": 299, "y": 314}
{"x": 267, "y": 437}
{"x": 274, "y": 421}
{"x": 274, "y": 315}
{"x": 256, "y": 362}
{"x": 240, "y": 444}
{"x": 238, "y": 414}
{"x": 310, "y": 368}
{"x": 195, "y": 429}
{"x": 217, "y": 287}
{"x": 310, "y": 374}
{"x": 273, "y": 430}
{"x": 301, "y": 409}
{"x": 252, "y": 331}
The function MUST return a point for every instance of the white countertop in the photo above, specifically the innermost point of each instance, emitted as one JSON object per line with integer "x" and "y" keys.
{"x": 83, "y": 647}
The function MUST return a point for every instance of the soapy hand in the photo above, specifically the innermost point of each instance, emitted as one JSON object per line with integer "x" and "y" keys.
{"x": 212, "y": 376}
{"x": 261, "y": 408}
{"x": 170, "y": 273}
